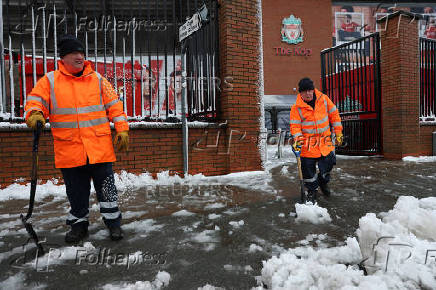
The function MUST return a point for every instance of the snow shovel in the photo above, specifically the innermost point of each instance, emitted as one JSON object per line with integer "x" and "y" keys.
{"x": 300, "y": 173}
{"x": 28, "y": 225}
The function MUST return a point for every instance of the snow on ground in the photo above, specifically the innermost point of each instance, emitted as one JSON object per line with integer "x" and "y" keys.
{"x": 14, "y": 282}
{"x": 236, "y": 224}
{"x": 183, "y": 213}
{"x": 210, "y": 287}
{"x": 19, "y": 191}
{"x": 398, "y": 249}
{"x": 214, "y": 206}
{"x": 162, "y": 280}
{"x": 273, "y": 161}
{"x": 311, "y": 213}
{"x": 213, "y": 216}
{"x": 420, "y": 159}
{"x": 142, "y": 228}
{"x": 351, "y": 157}
{"x": 129, "y": 182}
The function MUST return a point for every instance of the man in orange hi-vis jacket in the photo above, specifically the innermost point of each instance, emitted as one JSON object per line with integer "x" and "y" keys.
{"x": 312, "y": 120}
{"x": 80, "y": 103}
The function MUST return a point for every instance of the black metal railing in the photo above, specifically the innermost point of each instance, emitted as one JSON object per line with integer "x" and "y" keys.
{"x": 427, "y": 61}
{"x": 134, "y": 44}
{"x": 350, "y": 76}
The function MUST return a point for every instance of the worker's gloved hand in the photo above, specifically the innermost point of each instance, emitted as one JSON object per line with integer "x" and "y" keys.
{"x": 297, "y": 145}
{"x": 339, "y": 139}
{"x": 121, "y": 141}
{"x": 33, "y": 119}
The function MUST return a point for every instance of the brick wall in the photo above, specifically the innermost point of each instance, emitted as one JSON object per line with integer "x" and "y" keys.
{"x": 400, "y": 86}
{"x": 426, "y": 139}
{"x": 158, "y": 149}
{"x": 151, "y": 150}
{"x": 239, "y": 60}
{"x": 282, "y": 72}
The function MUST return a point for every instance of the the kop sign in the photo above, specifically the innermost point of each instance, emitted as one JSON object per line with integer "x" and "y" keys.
{"x": 292, "y": 33}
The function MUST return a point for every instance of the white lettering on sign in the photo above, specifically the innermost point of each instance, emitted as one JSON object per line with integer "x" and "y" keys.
{"x": 190, "y": 26}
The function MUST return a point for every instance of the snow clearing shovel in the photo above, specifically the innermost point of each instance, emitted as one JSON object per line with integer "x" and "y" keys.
{"x": 300, "y": 173}
{"x": 28, "y": 225}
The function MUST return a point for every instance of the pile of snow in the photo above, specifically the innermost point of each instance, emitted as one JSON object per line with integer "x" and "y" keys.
{"x": 398, "y": 251}
{"x": 420, "y": 159}
{"x": 311, "y": 213}
{"x": 19, "y": 191}
{"x": 162, "y": 280}
{"x": 253, "y": 248}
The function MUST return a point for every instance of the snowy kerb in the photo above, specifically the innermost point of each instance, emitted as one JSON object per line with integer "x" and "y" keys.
{"x": 127, "y": 183}
{"x": 398, "y": 250}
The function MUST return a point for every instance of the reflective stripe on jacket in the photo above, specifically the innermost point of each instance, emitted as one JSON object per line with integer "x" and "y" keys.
{"x": 79, "y": 111}
{"x": 313, "y": 126}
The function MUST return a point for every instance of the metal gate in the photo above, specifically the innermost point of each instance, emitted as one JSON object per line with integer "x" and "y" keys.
{"x": 350, "y": 76}
{"x": 427, "y": 98}
{"x": 134, "y": 44}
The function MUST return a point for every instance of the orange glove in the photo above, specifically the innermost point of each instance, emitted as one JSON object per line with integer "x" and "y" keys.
{"x": 34, "y": 117}
{"x": 339, "y": 139}
{"x": 121, "y": 141}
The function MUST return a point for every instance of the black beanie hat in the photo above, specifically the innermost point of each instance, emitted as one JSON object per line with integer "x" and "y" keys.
{"x": 68, "y": 44}
{"x": 305, "y": 84}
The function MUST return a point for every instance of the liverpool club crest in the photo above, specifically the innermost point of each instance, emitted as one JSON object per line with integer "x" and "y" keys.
{"x": 292, "y": 31}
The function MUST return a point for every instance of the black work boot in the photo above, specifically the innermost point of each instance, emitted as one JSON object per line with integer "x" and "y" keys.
{"x": 325, "y": 189}
{"x": 311, "y": 196}
{"x": 76, "y": 234}
{"x": 116, "y": 233}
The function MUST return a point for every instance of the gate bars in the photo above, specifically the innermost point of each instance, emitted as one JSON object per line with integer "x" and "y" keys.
{"x": 134, "y": 44}
{"x": 427, "y": 61}
{"x": 350, "y": 76}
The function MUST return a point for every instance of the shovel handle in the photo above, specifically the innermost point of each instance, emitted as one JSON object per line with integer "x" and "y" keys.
{"x": 34, "y": 174}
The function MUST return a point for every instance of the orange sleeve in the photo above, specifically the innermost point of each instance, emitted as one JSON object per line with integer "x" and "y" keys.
{"x": 295, "y": 123}
{"x": 114, "y": 107}
{"x": 334, "y": 118}
{"x": 39, "y": 98}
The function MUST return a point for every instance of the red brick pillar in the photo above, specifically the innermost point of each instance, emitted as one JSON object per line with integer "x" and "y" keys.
{"x": 400, "y": 85}
{"x": 239, "y": 62}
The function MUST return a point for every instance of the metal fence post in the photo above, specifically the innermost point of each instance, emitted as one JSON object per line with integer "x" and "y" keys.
{"x": 2, "y": 65}
{"x": 184, "y": 123}
{"x": 434, "y": 143}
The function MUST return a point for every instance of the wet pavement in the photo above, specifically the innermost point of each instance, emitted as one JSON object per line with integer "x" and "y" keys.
{"x": 232, "y": 225}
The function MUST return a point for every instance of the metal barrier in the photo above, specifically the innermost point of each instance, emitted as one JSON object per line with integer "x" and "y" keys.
{"x": 350, "y": 75}
{"x": 133, "y": 44}
{"x": 427, "y": 61}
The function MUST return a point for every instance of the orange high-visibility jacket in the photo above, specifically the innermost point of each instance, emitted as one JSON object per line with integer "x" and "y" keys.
{"x": 313, "y": 126}
{"x": 79, "y": 111}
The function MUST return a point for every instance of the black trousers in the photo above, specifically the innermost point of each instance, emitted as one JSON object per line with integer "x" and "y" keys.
{"x": 78, "y": 186}
{"x": 308, "y": 166}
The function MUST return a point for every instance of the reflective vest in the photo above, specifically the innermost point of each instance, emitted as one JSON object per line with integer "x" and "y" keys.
{"x": 313, "y": 126}
{"x": 79, "y": 110}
